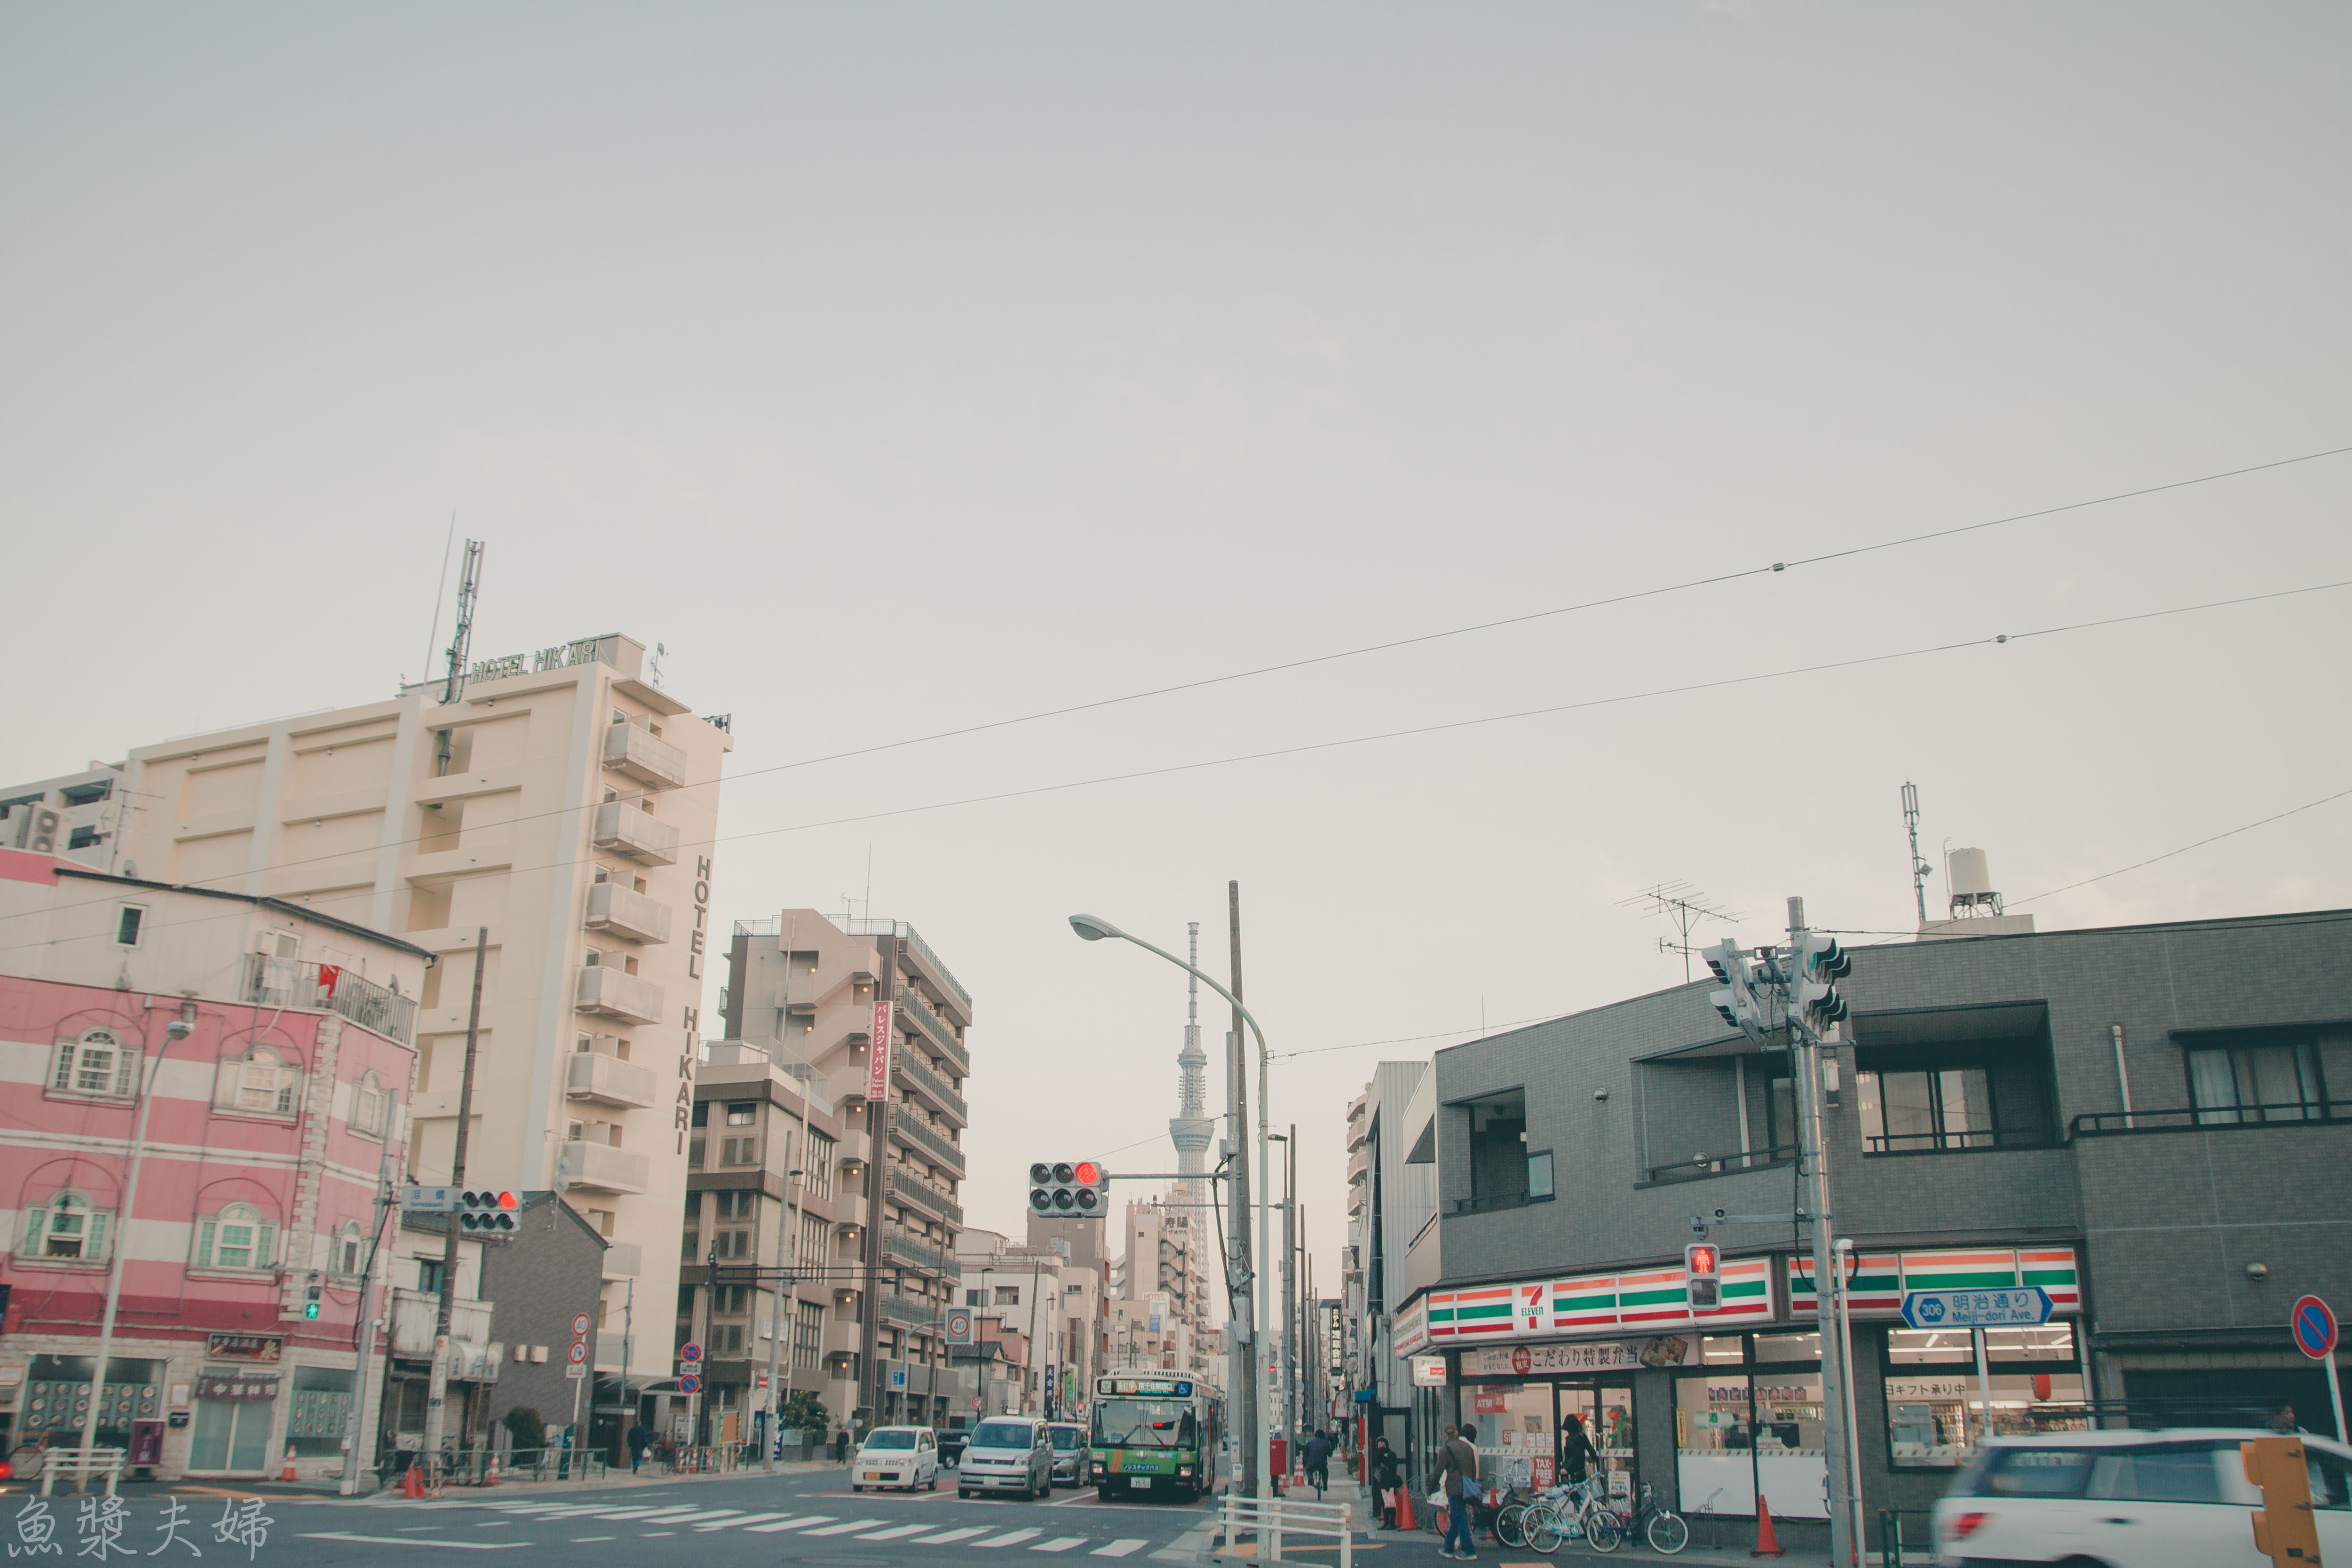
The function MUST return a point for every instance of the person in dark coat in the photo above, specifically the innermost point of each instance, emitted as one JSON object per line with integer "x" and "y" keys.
{"x": 841, "y": 1446}
{"x": 639, "y": 1441}
{"x": 1577, "y": 1454}
{"x": 1318, "y": 1461}
{"x": 1387, "y": 1479}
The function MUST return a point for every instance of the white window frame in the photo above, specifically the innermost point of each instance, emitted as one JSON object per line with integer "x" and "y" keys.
{"x": 350, "y": 1255}
{"x": 137, "y": 936}
{"x": 70, "y": 1069}
{"x": 236, "y": 1078}
{"x": 257, "y": 1243}
{"x": 95, "y": 1233}
{"x": 368, "y": 1102}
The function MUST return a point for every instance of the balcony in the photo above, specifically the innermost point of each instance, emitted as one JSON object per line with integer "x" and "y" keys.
{"x": 907, "y": 1130}
{"x": 1358, "y": 1164}
{"x": 609, "y": 1080}
{"x": 910, "y": 1065}
{"x": 626, "y": 913}
{"x": 2206, "y": 1119}
{"x": 925, "y": 959}
{"x": 415, "y": 1314}
{"x": 925, "y": 1196}
{"x": 624, "y": 829}
{"x": 624, "y": 1260}
{"x": 291, "y": 983}
{"x": 897, "y": 1246}
{"x": 602, "y": 1168}
{"x": 909, "y": 1312}
{"x": 631, "y": 749}
{"x": 613, "y": 992}
{"x": 919, "y": 1015}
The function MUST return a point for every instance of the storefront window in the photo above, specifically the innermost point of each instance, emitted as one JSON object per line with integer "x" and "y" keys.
{"x": 1934, "y": 1407}
{"x": 1714, "y": 1432}
{"x": 1789, "y": 1347}
{"x": 1790, "y": 1461}
{"x": 1514, "y": 1422}
{"x": 322, "y": 1408}
{"x": 1723, "y": 1350}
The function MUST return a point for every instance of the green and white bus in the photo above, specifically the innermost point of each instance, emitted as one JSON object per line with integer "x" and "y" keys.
{"x": 1155, "y": 1435}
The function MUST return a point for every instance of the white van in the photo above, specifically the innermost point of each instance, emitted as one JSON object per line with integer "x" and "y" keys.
{"x": 904, "y": 1457}
{"x": 2174, "y": 1499}
{"x": 1008, "y": 1454}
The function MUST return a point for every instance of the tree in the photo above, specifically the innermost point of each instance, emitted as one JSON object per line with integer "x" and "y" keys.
{"x": 526, "y": 1427}
{"x": 806, "y": 1412}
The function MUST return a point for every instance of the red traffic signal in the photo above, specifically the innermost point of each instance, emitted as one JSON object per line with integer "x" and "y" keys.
{"x": 1088, "y": 1172}
{"x": 1702, "y": 1271}
{"x": 1071, "y": 1189}
{"x": 487, "y": 1211}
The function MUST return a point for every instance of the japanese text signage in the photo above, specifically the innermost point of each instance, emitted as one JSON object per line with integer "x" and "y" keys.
{"x": 877, "y": 1056}
{"x": 242, "y": 1347}
{"x": 2019, "y": 1306}
{"x": 1595, "y": 1356}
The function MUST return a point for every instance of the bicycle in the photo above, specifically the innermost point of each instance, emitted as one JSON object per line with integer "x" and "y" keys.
{"x": 1665, "y": 1528}
{"x": 1578, "y": 1511}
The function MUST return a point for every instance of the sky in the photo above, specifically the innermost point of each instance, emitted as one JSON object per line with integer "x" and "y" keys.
{"x": 900, "y": 369}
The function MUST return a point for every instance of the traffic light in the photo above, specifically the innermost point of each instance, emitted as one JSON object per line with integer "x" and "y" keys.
{"x": 311, "y": 1297}
{"x": 1703, "y": 1271}
{"x": 484, "y": 1213}
{"x": 1818, "y": 959}
{"x": 1073, "y": 1189}
{"x": 2285, "y": 1529}
{"x": 1737, "y": 1001}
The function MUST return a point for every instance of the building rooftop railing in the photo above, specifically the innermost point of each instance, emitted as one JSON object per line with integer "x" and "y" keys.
{"x": 908, "y": 934}
{"x": 769, "y": 927}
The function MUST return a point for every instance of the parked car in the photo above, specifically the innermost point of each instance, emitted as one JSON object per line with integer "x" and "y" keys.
{"x": 1008, "y": 1454}
{"x": 1069, "y": 1453}
{"x": 904, "y": 1457}
{"x": 2175, "y": 1499}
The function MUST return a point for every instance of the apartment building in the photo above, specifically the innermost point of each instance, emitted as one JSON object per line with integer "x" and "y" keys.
{"x": 74, "y": 816}
{"x": 559, "y": 799}
{"x": 1164, "y": 1264}
{"x": 271, "y": 1042}
{"x": 1053, "y": 1299}
{"x": 830, "y": 995}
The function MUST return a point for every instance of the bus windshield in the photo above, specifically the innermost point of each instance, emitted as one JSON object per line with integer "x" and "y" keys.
{"x": 1145, "y": 1424}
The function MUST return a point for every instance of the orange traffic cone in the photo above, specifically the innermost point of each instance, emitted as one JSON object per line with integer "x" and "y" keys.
{"x": 413, "y": 1486}
{"x": 1404, "y": 1510}
{"x": 1767, "y": 1543}
{"x": 492, "y": 1479}
{"x": 288, "y": 1473}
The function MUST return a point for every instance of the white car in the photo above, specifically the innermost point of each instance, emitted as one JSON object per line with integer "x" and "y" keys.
{"x": 2174, "y": 1499}
{"x": 904, "y": 1457}
{"x": 1008, "y": 1454}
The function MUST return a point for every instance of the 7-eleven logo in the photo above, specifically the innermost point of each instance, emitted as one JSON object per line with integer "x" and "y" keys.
{"x": 1531, "y": 1307}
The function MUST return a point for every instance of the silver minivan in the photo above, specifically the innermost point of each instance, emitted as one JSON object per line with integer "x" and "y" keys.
{"x": 1008, "y": 1454}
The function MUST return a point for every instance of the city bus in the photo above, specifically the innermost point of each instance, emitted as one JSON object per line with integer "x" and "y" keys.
{"x": 1155, "y": 1436}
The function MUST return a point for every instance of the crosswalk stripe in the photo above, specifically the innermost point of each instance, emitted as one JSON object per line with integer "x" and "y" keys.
{"x": 701, "y": 1515}
{"x": 624, "y": 1512}
{"x": 1118, "y": 1549}
{"x": 943, "y": 1537}
{"x": 803, "y": 1523}
{"x": 1010, "y": 1538}
{"x": 844, "y": 1527}
{"x": 894, "y": 1532}
{"x": 1059, "y": 1543}
{"x": 666, "y": 1514}
{"x": 744, "y": 1523}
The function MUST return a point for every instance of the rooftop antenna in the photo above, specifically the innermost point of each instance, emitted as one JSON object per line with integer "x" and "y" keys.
{"x": 1685, "y": 906}
{"x": 440, "y": 591}
{"x": 461, "y": 636}
{"x": 1920, "y": 869}
{"x": 661, "y": 651}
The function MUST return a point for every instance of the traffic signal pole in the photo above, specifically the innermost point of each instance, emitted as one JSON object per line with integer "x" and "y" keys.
{"x": 437, "y": 1391}
{"x": 1248, "y": 1428}
{"x": 1805, "y": 1050}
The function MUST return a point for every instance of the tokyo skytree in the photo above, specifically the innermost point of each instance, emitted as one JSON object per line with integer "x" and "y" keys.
{"x": 1191, "y": 1129}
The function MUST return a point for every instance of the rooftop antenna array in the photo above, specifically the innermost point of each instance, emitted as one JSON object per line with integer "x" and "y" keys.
{"x": 461, "y": 636}
{"x": 1685, "y": 906}
{"x": 1920, "y": 869}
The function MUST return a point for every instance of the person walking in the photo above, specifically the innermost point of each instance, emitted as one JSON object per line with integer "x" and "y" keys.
{"x": 841, "y": 1446}
{"x": 1460, "y": 1474}
{"x": 1387, "y": 1481}
{"x": 1577, "y": 1454}
{"x": 639, "y": 1441}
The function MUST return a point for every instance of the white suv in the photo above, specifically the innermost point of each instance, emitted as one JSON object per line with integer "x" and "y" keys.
{"x": 2176, "y": 1498}
{"x": 1007, "y": 1454}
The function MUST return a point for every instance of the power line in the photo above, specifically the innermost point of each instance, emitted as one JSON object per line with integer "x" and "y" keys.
{"x": 1439, "y": 728}
{"x": 2216, "y": 838}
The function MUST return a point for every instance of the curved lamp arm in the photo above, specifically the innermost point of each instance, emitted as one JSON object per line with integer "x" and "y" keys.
{"x": 1094, "y": 929}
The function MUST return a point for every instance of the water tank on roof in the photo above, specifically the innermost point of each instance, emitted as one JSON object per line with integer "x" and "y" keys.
{"x": 1971, "y": 874}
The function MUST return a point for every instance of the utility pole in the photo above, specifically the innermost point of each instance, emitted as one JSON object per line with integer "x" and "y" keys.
{"x": 437, "y": 1390}
{"x": 1805, "y": 1050}
{"x": 1243, "y": 1361}
{"x": 356, "y": 1425}
{"x": 1290, "y": 1422}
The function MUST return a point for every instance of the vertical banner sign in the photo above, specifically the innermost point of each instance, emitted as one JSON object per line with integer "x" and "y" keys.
{"x": 877, "y": 1055}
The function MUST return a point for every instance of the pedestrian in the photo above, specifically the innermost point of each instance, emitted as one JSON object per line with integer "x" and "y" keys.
{"x": 841, "y": 1445}
{"x": 1460, "y": 1473}
{"x": 639, "y": 1441}
{"x": 1577, "y": 1454}
{"x": 1318, "y": 1461}
{"x": 1387, "y": 1481}
{"x": 2285, "y": 1420}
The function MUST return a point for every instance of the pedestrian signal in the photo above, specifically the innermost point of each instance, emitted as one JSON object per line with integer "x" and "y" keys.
{"x": 1703, "y": 1271}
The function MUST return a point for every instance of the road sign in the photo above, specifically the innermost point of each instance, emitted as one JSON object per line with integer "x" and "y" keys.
{"x": 689, "y": 1383}
{"x": 575, "y": 1370}
{"x": 2313, "y": 1327}
{"x": 691, "y": 1354}
{"x": 959, "y": 1325}
{"x": 2006, "y": 1308}
{"x": 418, "y": 1199}
{"x": 759, "y": 1382}
{"x": 578, "y": 1352}
{"x": 582, "y": 1322}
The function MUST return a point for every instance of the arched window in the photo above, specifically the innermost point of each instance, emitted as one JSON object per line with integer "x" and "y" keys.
{"x": 367, "y": 1105}
{"x": 96, "y": 1062}
{"x": 237, "y": 1237}
{"x": 260, "y": 1083}
{"x": 66, "y": 1229}
{"x": 351, "y": 1250}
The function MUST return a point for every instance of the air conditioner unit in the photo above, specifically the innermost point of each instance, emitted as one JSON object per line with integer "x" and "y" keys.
{"x": 36, "y": 829}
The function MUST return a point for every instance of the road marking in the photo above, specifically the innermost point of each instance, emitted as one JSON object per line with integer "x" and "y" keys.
{"x": 700, "y": 1515}
{"x": 666, "y": 1514}
{"x": 894, "y": 1532}
{"x": 626, "y": 1512}
{"x": 404, "y": 1541}
{"x": 1119, "y": 1548}
{"x": 801, "y": 1523}
{"x": 1059, "y": 1543}
{"x": 744, "y": 1523}
{"x": 945, "y": 1536}
{"x": 649, "y": 1534}
{"x": 579, "y": 1540}
{"x": 1010, "y": 1538}
{"x": 494, "y": 1524}
{"x": 845, "y": 1527}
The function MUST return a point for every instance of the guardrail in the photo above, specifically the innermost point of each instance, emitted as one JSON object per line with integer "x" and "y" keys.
{"x": 1893, "y": 1548}
{"x": 83, "y": 1463}
{"x": 1272, "y": 1520}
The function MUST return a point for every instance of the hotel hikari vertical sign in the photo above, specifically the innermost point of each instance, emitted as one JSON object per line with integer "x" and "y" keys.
{"x": 877, "y": 1056}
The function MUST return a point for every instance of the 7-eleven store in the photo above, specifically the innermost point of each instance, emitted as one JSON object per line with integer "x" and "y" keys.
{"x": 1718, "y": 1407}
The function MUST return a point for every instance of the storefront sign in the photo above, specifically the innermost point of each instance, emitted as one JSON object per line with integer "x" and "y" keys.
{"x": 242, "y": 1347}
{"x": 1591, "y": 1355}
{"x": 237, "y": 1385}
{"x": 1881, "y": 1281}
{"x": 1429, "y": 1371}
{"x": 1593, "y": 1304}
{"x": 2013, "y": 1308}
{"x": 878, "y": 1054}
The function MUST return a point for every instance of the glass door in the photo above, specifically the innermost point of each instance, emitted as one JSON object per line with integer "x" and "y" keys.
{"x": 1601, "y": 1413}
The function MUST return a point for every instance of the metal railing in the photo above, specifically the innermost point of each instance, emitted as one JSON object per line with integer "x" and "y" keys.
{"x": 922, "y": 1077}
{"x": 925, "y": 1195}
{"x": 292, "y": 982}
{"x": 82, "y": 1464}
{"x": 910, "y": 1312}
{"x": 2205, "y": 1118}
{"x": 936, "y": 1028}
{"x": 904, "y": 1124}
{"x": 1274, "y": 1518}
{"x": 906, "y": 934}
{"x": 1721, "y": 1164}
{"x": 921, "y": 1253}
{"x": 1893, "y": 1548}
{"x": 1961, "y": 1141}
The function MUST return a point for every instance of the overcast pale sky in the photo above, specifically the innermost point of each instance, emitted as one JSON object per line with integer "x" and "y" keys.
{"x": 905, "y": 367}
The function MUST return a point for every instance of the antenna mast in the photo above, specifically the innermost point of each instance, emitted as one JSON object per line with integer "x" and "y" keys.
{"x": 1920, "y": 869}
{"x": 461, "y": 636}
{"x": 1685, "y": 906}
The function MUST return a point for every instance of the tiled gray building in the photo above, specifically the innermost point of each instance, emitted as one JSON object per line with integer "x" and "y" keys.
{"x": 1981, "y": 1130}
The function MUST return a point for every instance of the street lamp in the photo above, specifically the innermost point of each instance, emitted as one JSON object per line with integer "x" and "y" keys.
{"x": 1094, "y": 928}
{"x": 177, "y": 1030}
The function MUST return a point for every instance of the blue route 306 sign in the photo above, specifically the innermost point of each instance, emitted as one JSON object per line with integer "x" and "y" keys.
{"x": 2007, "y": 1308}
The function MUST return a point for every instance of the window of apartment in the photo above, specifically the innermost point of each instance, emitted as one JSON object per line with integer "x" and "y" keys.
{"x": 975, "y": 1298}
{"x": 66, "y": 1229}
{"x": 97, "y": 1063}
{"x": 236, "y": 1237}
{"x": 815, "y": 1242}
{"x": 808, "y": 1334}
{"x": 368, "y": 1105}
{"x": 428, "y": 1276}
{"x": 1500, "y": 1170}
{"x": 738, "y": 1150}
{"x": 694, "y": 1155}
{"x": 258, "y": 1083}
{"x": 731, "y": 1300}
{"x": 726, "y": 1339}
{"x": 818, "y": 1175}
{"x": 81, "y": 838}
{"x": 1946, "y": 1108}
{"x": 1539, "y": 1175}
{"x": 2256, "y": 1078}
{"x": 128, "y": 924}
{"x": 702, "y": 1113}
{"x": 350, "y": 1251}
{"x": 732, "y": 1243}
{"x": 1008, "y": 1295}
{"x": 737, "y": 1204}
{"x": 743, "y": 1113}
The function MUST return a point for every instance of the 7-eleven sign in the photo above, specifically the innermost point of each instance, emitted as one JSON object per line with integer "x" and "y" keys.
{"x": 1530, "y": 1314}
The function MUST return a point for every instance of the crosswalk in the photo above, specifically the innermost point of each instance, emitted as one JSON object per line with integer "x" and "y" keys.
{"x": 704, "y": 1520}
